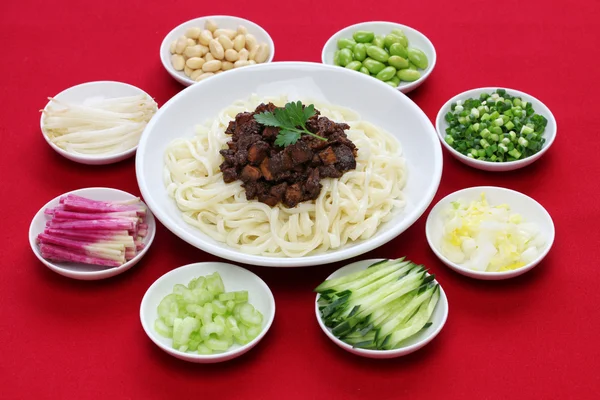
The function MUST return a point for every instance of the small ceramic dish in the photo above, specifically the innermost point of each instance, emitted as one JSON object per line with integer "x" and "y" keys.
{"x": 88, "y": 272}
{"x": 412, "y": 344}
{"x": 234, "y": 278}
{"x": 415, "y": 39}
{"x": 540, "y": 108}
{"x": 223, "y": 22}
{"x": 86, "y": 92}
{"x": 530, "y": 210}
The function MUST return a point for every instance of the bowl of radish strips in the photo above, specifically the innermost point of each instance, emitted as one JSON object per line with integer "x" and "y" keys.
{"x": 92, "y": 233}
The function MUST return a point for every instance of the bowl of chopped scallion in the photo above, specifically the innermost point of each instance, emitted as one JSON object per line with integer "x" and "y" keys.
{"x": 496, "y": 129}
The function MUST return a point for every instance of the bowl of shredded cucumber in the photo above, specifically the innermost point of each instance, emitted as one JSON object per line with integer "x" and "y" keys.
{"x": 381, "y": 308}
{"x": 489, "y": 233}
{"x": 495, "y": 129}
{"x": 207, "y": 312}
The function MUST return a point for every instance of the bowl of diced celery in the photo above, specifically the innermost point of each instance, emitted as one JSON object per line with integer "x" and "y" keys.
{"x": 496, "y": 129}
{"x": 207, "y": 312}
{"x": 395, "y": 54}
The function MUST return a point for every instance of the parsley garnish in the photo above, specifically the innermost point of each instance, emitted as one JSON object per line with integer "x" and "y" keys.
{"x": 291, "y": 121}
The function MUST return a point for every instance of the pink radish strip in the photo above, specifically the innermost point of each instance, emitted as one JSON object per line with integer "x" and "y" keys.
{"x": 110, "y": 215}
{"x": 59, "y": 254}
{"x": 143, "y": 226}
{"x": 143, "y": 232}
{"x": 107, "y": 224}
{"x": 90, "y": 235}
{"x": 78, "y": 203}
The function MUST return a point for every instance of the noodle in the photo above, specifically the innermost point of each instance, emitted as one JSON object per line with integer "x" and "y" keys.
{"x": 348, "y": 209}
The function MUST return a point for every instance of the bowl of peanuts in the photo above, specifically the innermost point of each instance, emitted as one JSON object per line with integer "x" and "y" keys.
{"x": 207, "y": 46}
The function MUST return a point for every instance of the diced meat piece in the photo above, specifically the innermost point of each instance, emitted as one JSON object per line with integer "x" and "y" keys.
{"x": 251, "y": 189}
{"x": 230, "y": 128}
{"x": 274, "y": 196}
{"x": 326, "y": 126}
{"x": 288, "y": 164}
{"x": 293, "y": 195}
{"x": 312, "y": 188}
{"x": 300, "y": 152}
{"x": 327, "y": 156}
{"x": 247, "y": 140}
{"x": 316, "y": 161}
{"x": 314, "y": 143}
{"x": 252, "y": 127}
{"x": 329, "y": 171}
{"x": 232, "y": 145}
{"x": 265, "y": 108}
{"x": 229, "y": 175}
{"x": 250, "y": 173}
{"x": 243, "y": 117}
{"x": 270, "y": 133}
{"x": 312, "y": 124}
{"x": 345, "y": 157}
{"x": 257, "y": 152}
{"x": 241, "y": 157}
{"x": 276, "y": 164}
{"x": 266, "y": 170}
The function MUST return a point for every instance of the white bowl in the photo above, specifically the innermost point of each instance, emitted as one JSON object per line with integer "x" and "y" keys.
{"x": 93, "y": 90}
{"x": 538, "y": 106}
{"x": 223, "y": 21}
{"x": 412, "y": 344}
{"x": 531, "y": 210}
{"x": 385, "y": 107}
{"x": 88, "y": 272}
{"x": 415, "y": 39}
{"x": 234, "y": 278}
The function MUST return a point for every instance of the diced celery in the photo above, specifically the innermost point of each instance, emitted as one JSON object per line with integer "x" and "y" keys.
{"x": 203, "y": 349}
{"x": 230, "y": 305}
{"x": 252, "y": 332}
{"x": 249, "y": 315}
{"x": 241, "y": 296}
{"x": 216, "y": 344}
{"x": 162, "y": 329}
{"x": 168, "y": 309}
{"x": 219, "y": 307}
{"x": 227, "y": 296}
{"x": 211, "y": 328}
{"x": 180, "y": 289}
{"x": 215, "y": 284}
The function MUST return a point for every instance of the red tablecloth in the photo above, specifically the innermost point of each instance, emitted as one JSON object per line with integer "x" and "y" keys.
{"x": 534, "y": 337}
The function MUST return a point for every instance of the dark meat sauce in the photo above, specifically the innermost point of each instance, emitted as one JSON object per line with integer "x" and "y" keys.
{"x": 290, "y": 175}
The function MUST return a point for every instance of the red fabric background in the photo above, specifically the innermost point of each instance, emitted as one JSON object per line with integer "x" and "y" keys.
{"x": 534, "y": 337}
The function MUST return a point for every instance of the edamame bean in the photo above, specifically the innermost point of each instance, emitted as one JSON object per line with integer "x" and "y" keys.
{"x": 398, "y": 62}
{"x": 395, "y": 79}
{"x": 408, "y": 75}
{"x": 364, "y": 70}
{"x": 412, "y": 66}
{"x": 391, "y": 39}
{"x": 403, "y": 38}
{"x": 386, "y": 74}
{"x": 336, "y": 57}
{"x": 377, "y": 54}
{"x": 345, "y": 57}
{"x": 360, "y": 51}
{"x": 345, "y": 43}
{"x": 373, "y": 66}
{"x": 397, "y": 49}
{"x": 355, "y": 65}
{"x": 418, "y": 58}
{"x": 392, "y": 84}
{"x": 379, "y": 41}
{"x": 363, "y": 36}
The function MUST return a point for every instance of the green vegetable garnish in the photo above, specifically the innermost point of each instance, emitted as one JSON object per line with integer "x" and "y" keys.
{"x": 495, "y": 127}
{"x": 291, "y": 121}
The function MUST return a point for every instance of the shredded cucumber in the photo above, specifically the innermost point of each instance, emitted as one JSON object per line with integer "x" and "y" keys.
{"x": 377, "y": 308}
{"x": 202, "y": 317}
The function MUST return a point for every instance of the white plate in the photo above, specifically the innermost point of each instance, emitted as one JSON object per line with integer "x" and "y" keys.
{"x": 88, "y": 272}
{"x": 415, "y": 39}
{"x": 79, "y": 94}
{"x": 234, "y": 278}
{"x": 224, "y": 22}
{"x": 385, "y": 107}
{"x": 540, "y": 108}
{"x": 531, "y": 210}
{"x": 412, "y": 344}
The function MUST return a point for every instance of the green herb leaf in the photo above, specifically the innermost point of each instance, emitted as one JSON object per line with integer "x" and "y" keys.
{"x": 291, "y": 120}
{"x": 286, "y": 138}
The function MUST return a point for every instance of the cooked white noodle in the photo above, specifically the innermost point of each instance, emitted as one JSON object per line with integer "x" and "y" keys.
{"x": 349, "y": 208}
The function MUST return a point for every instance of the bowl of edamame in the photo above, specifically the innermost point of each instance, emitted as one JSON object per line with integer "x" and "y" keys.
{"x": 496, "y": 129}
{"x": 396, "y": 54}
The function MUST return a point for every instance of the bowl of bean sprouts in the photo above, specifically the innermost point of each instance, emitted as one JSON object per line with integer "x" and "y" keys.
{"x": 97, "y": 123}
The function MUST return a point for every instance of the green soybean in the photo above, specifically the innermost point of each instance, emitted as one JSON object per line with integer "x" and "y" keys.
{"x": 412, "y": 66}
{"x": 395, "y": 79}
{"x": 360, "y": 52}
{"x": 386, "y": 74}
{"x": 403, "y": 38}
{"x": 377, "y": 54}
{"x": 408, "y": 75}
{"x": 336, "y": 58}
{"x": 397, "y": 49}
{"x": 355, "y": 65}
{"x": 378, "y": 41}
{"x": 345, "y": 57}
{"x": 392, "y": 84}
{"x": 398, "y": 62}
{"x": 364, "y": 70}
{"x": 373, "y": 66}
{"x": 363, "y": 36}
{"x": 345, "y": 43}
{"x": 418, "y": 58}
{"x": 391, "y": 39}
